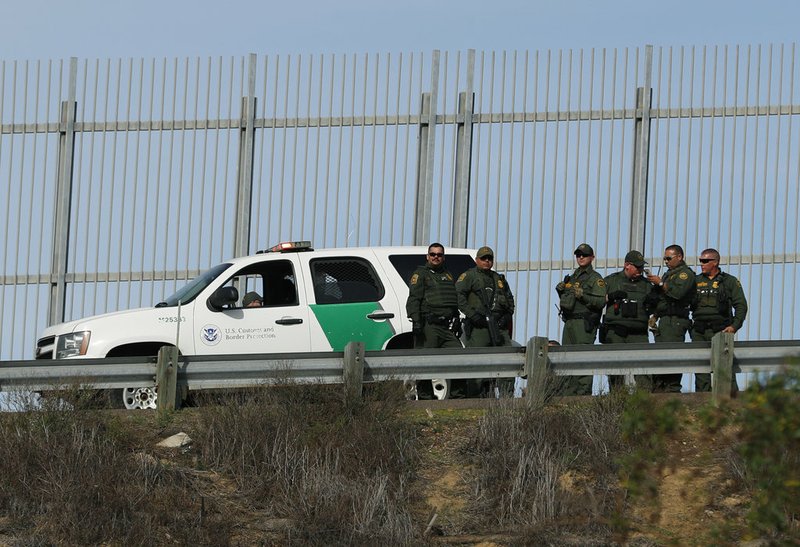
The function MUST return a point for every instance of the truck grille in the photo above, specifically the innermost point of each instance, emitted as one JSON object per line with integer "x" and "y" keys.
{"x": 44, "y": 347}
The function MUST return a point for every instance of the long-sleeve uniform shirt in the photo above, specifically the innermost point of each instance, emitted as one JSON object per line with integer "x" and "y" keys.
{"x": 431, "y": 292}
{"x": 719, "y": 302}
{"x": 486, "y": 293}
{"x": 626, "y": 303}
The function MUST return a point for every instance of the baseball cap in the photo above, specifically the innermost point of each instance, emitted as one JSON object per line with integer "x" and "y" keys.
{"x": 251, "y": 297}
{"x": 585, "y": 249}
{"x": 636, "y": 258}
{"x": 483, "y": 251}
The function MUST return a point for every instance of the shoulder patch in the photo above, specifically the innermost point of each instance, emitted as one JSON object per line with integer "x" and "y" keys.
{"x": 414, "y": 279}
{"x": 683, "y": 275}
{"x": 601, "y": 283}
{"x": 500, "y": 284}
{"x": 462, "y": 276}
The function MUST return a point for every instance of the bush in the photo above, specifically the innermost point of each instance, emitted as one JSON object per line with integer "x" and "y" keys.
{"x": 767, "y": 453}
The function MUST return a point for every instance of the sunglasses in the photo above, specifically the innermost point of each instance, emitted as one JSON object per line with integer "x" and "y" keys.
{"x": 581, "y": 255}
{"x": 706, "y": 260}
{"x": 668, "y": 258}
{"x": 439, "y": 255}
{"x": 487, "y": 257}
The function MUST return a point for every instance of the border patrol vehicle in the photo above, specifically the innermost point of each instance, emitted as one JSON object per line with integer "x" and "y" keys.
{"x": 312, "y": 300}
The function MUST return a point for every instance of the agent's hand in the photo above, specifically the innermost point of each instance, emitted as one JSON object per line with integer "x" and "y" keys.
{"x": 729, "y": 329}
{"x": 561, "y": 287}
{"x": 578, "y": 292}
{"x": 654, "y": 279}
{"x": 652, "y": 323}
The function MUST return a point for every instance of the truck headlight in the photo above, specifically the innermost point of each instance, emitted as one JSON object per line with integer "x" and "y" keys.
{"x": 72, "y": 344}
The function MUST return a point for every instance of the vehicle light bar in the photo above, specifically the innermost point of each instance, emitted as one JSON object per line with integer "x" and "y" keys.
{"x": 290, "y": 246}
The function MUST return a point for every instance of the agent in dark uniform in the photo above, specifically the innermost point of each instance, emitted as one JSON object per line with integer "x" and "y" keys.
{"x": 582, "y": 297}
{"x": 675, "y": 296}
{"x": 626, "y": 316}
{"x": 485, "y": 299}
{"x": 719, "y": 306}
{"x": 432, "y": 303}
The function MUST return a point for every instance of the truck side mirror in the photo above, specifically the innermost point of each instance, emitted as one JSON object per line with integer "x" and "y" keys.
{"x": 222, "y": 297}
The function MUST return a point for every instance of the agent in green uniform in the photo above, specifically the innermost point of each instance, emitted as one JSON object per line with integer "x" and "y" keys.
{"x": 675, "y": 296}
{"x": 719, "y": 306}
{"x": 432, "y": 303}
{"x": 626, "y": 316}
{"x": 582, "y": 297}
{"x": 485, "y": 299}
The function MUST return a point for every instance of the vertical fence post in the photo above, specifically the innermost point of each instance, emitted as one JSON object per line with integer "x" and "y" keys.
{"x": 721, "y": 366}
{"x": 353, "y": 370}
{"x": 167, "y": 379}
{"x": 244, "y": 188}
{"x": 463, "y": 168}
{"x": 66, "y": 157}
{"x": 427, "y": 141}
{"x": 641, "y": 155}
{"x": 537, "y": 369}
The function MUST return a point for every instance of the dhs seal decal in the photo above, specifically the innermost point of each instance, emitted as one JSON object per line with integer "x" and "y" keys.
{"x": 210, "y": 335}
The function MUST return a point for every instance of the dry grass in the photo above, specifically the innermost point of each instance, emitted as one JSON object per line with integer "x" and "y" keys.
{"x": 547, "y": 471}
{"x": 336, "y": 469}
{"x": 71, "y": 476}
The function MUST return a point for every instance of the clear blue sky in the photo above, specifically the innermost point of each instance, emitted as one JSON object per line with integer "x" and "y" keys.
{"x": 54, "y": 29}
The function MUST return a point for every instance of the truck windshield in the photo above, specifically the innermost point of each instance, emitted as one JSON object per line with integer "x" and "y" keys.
{"x": 190, "y": 291}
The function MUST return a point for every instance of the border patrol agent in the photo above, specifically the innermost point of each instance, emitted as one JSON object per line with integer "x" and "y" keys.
{"x": 432, "y": 303}
{"x": 675, "y": 296}
{"x": 626, "y": 316}
{"x": 719, "y": 306}
{"x": 582, "y": 297}
{"x": 483, "y": 297}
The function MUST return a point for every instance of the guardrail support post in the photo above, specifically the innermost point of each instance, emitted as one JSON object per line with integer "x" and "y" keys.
{"x": 721, "y": 366}
{"x": 537, "y": 368}
{"x": 353, "y": 370}
{"x": 167, "y": 379}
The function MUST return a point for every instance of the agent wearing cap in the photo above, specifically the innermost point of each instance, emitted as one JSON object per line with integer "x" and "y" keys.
{"x": 582, "y": 297}
{"x": 719, "y": 306}
{"x": 626, "y": 315}
{"x": 484, "y": 296}
{"x": 252, "y": 300}
{"x": 675, "y": 296}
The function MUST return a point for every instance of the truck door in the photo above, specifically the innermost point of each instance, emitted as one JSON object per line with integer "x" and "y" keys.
{"x": 280, "y": 324}
{"x": 349, "y": 302}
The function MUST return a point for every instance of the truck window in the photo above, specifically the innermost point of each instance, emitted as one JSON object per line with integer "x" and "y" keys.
{"x": 405, "y": 265}
{"x": 273, "y": 280}
{"x": 343, "y": 280}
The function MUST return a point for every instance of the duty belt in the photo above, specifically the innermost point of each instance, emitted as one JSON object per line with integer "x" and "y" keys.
{"x": 701, "y": 325}
{"x": 443, "y": 320}
{"x": 570, "y": 316}
{"x": 678, "y": 315}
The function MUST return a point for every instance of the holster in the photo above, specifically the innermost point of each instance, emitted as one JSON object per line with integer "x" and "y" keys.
{"x": 602, "y": 333}
{"x": 591, "y": 321}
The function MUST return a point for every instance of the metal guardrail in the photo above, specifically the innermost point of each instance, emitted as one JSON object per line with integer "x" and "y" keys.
{"x": 238, "y": 371}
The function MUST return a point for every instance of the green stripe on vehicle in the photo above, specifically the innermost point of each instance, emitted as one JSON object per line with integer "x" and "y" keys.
{"x": 343, "y": 323}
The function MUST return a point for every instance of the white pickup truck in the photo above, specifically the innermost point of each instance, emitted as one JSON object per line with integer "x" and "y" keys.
{"x": 313, "y": 300}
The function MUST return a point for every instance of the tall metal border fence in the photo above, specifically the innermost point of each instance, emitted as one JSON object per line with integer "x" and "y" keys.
{"x": 123, "y": 178}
